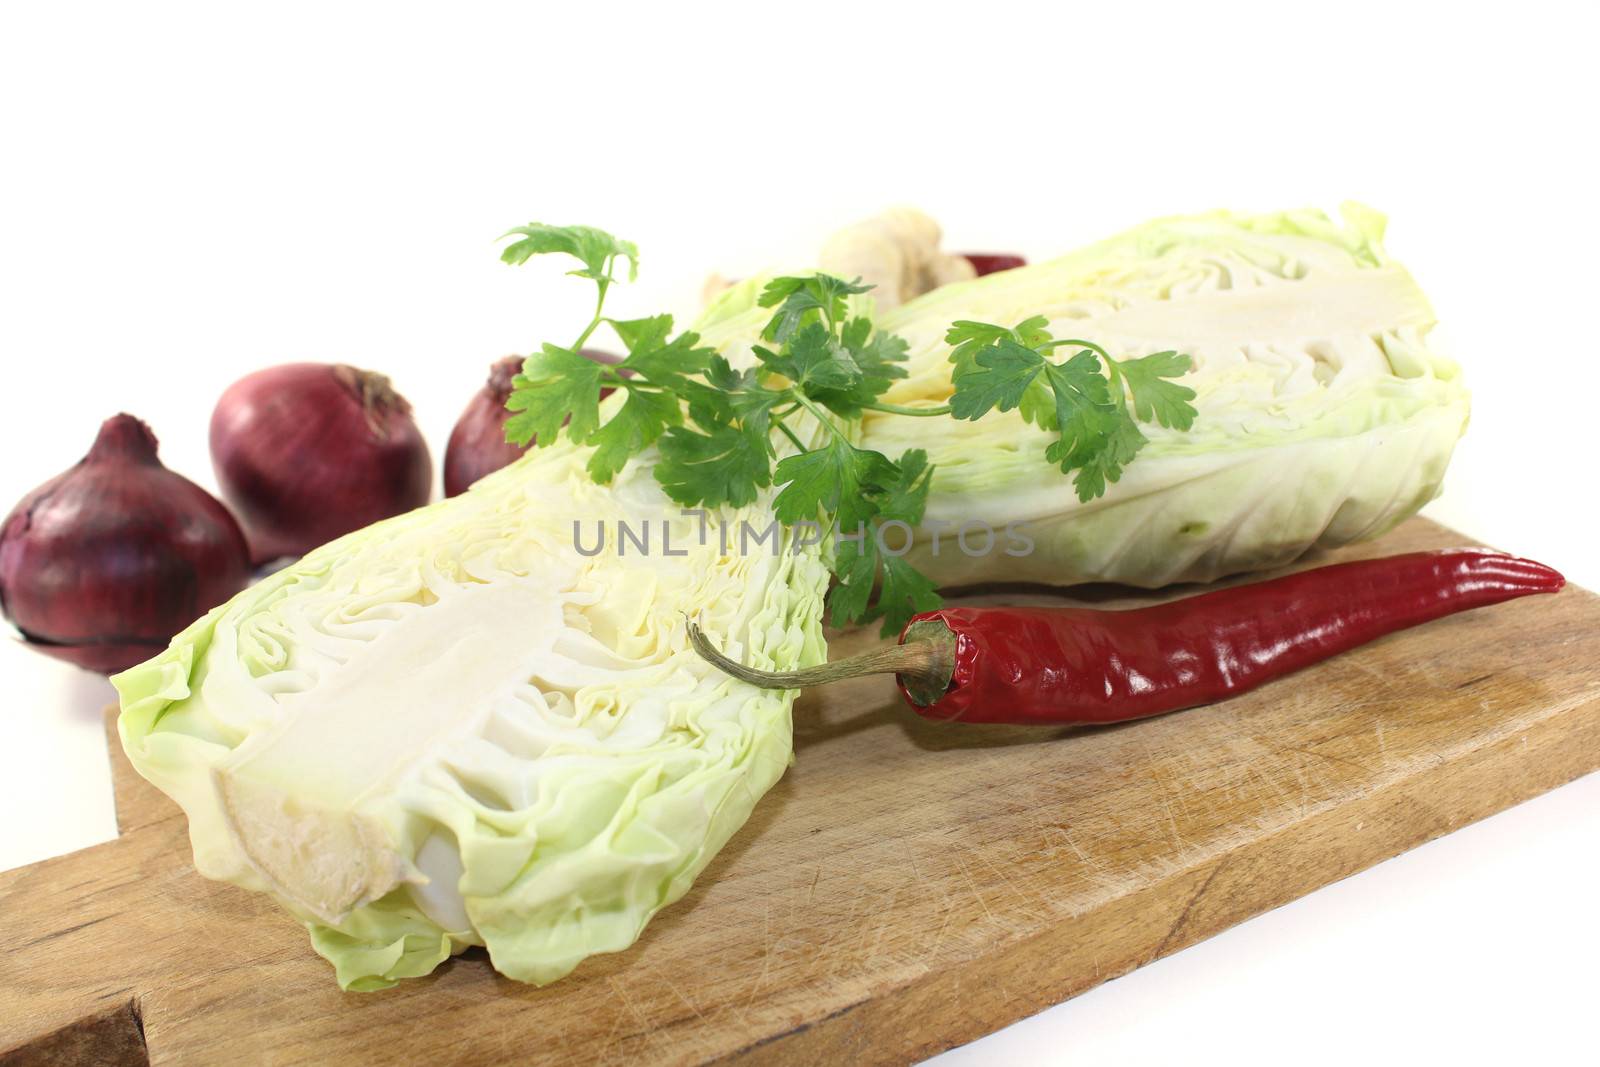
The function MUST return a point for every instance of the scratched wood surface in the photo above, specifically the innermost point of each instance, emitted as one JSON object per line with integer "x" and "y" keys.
{"x": 907, "y": 886}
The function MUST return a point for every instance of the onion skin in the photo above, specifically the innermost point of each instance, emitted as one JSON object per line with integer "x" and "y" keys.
{"x": 102, "y": 565}
{"x": 993, "y": 262}
{"x": 478, "y": 444}
{"x": 308, "y": 452}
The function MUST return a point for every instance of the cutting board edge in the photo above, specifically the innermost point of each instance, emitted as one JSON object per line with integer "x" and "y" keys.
{"x": 885, "y": 1028}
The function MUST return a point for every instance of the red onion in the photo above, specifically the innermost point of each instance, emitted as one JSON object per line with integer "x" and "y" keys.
{"x": 307, "y": 452}
{"x": 100, "y": 566}
{"x": 478, "y": 444}
{"x": 990, "y": 262}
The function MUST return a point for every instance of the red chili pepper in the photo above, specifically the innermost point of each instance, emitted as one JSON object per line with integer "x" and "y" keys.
{"x": 1081, "y": 665}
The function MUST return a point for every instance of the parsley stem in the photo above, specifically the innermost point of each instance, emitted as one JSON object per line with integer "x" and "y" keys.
{"x": 599, "y": 305}
{"x": 901, "y": 409}
{"x": 818, "y": 414}
{"x": 1066, "y": 341}
{"x": 801, "y": 445}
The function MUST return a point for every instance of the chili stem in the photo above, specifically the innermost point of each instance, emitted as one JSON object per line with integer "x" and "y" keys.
{"x": 924, "y": 663}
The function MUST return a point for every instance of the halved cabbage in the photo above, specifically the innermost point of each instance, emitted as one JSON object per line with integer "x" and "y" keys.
{"x": 457, "y": 728}
{"x": 1324, "y": 417}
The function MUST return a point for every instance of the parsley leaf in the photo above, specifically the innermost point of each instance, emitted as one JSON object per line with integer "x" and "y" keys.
{"x": 642, "y": 335}
{"x": 803, "y": 300}
{"x": 754, "y": 410}
{"x": 855, "y": 569}
{"x": 725, "y": 396}
{"x": 905, "y": 499}
{"x": 644, "y": 416}
{"x": 595, "y": 249}
{"x": 834, "y": 479}
{"x": 1000, "y": 374}
{"x": 877, "y": 356}
{"x": 1079, "y": 389}
{"x": 557, "y": 386}
{"x": 968, "y": 338}
{"x": 877, "y": 353}
{"x": 668, "y": 364}
{"x": 723, "y": 466}
{"x": 813, "y": 359}
{"x": 1097, "y": 444}
{"x": 1154, "y": 398}
{"x": 905, "y": 591}
{"x": 709, "y": 400}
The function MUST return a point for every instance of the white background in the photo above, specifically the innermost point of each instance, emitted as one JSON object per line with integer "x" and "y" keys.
{"x": 189, "y": 194}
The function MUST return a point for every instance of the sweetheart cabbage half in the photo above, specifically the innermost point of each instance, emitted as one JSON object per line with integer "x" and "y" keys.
{"x": 1324, "y": 415}
{"x": 455, "y": 728}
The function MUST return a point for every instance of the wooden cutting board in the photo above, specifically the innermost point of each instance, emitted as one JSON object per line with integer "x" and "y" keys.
{"x": 907, "y": 887}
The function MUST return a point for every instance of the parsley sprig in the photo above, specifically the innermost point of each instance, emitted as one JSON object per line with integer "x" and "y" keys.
{"x": 724, "y": 435}
{"x": 1093, "y": 415}
{"x": 719, "y": 430}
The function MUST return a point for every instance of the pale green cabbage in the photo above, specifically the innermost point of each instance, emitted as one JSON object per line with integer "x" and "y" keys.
{"x": 453, "y": 728}
{"x": 1324, "y": 416}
